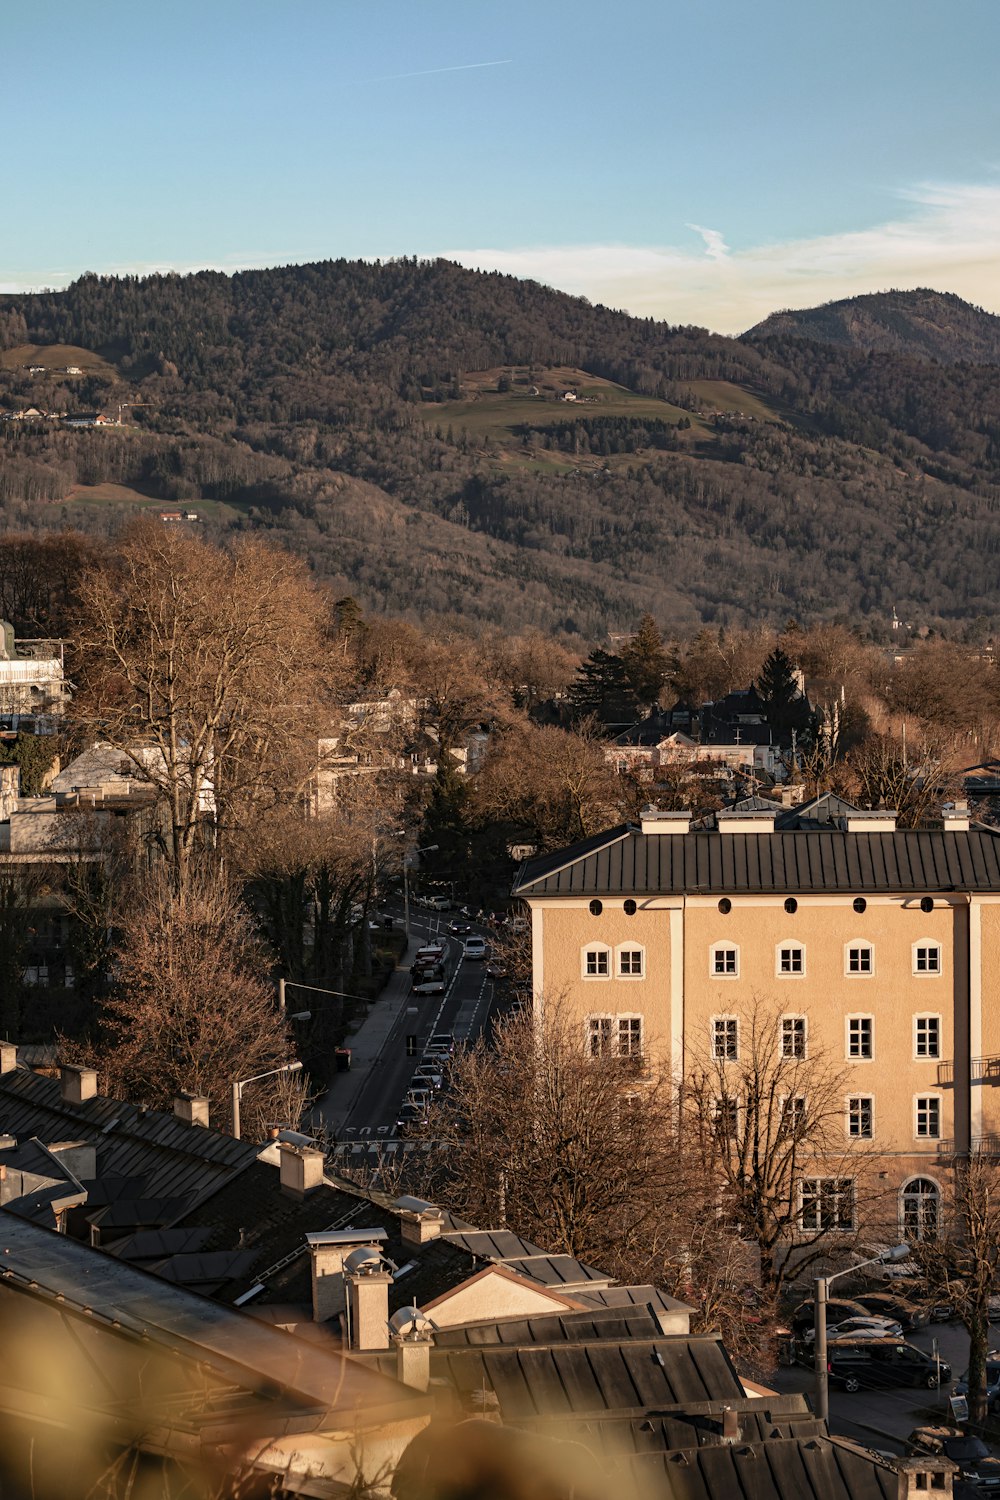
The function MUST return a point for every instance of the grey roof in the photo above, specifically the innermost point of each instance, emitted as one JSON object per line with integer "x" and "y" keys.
{"x": 106, "y": 1293}
{"x": 780, "y": 1469}
{"x": 694, "y": 1425}
{"x": 627, "y": 862}
{"x": 170, "y": 1156}
{"x": 603, "y": 1376}
{"x": 630, "y": 1296}
{"x": 564, "y": 1328}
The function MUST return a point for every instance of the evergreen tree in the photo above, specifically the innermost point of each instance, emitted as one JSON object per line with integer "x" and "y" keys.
{"x": 446, "y": 820}
{"x": 602, "y": 688}
{"x": 786, "y": 710}
{"x": 646, "y": 662}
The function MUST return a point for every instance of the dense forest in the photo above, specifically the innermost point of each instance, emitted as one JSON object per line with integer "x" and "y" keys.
{"x": 436, "y": 440}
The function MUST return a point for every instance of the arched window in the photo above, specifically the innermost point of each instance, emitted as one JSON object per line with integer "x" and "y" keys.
{"x": 921, "y": 1208}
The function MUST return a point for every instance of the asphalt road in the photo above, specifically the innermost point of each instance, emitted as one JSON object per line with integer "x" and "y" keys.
{"x": 465, "y": 1010}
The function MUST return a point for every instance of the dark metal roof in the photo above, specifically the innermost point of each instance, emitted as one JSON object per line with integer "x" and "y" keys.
{"x": 781, "y": 1469}
{"x": 604, "y": 1376}
{"x": 566, "y": 1328}
{"x": 693, "y": 1425}
{"x": 626, "y": 862}
{"x": 171, "y": 1156}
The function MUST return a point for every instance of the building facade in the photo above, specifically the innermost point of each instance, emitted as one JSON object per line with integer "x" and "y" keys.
{"x": 875, "y": 948}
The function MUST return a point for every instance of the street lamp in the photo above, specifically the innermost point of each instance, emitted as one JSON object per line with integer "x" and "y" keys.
{"x": 240, "y": 1084}
{"x": 427, "y": 849}
{"x": 897, "y": 1252}
{"x": 294, "y": 984}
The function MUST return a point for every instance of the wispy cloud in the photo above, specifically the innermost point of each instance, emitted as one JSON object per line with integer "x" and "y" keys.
{"x": 949, "y": 239}
{"x": 429, "y": 72}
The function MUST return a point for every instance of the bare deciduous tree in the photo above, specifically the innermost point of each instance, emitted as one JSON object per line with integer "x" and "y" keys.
{"x": 190, "y": 1009}
{"x": 959, "y": 1261}
{"x": 765, "y": 1113}
{"x": 202, "y": 667}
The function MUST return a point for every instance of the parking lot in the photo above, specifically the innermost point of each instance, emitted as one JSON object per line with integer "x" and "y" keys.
{"x": 885, "y": 1418}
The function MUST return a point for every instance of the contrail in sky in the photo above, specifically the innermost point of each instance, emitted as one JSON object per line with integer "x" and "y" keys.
{"x": 426, "y": 72}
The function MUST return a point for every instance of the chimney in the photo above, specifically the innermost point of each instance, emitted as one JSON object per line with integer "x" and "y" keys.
{"x": 191, "y": 1108}
{"x": 8, "y": 1057}
{"x": 878, "y": 820}
{"x": 76, "y": 1085}
{"x": 654, "y": 821}
{"x": 301, "y": 1169}
{"x": 413, "y": 1336}
{"x": 327, "y": 1253}
{"x": 730, "y": 821}
{"x": 730, "y": 1425}
{"x": 418, "y": 1221}
{"x": 924, "y": 1476}
{"x": 955, "y": 817}
{"x": 368, "y": 1284}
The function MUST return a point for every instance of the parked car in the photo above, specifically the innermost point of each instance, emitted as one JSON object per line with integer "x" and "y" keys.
{"x": 837, "y": 1309}
{"x": 410, "y": 1117}
{"x": 976, "y": 1465}
{"x": 438, "y": 903}
{"x": 870, "y": 1363}
{"x": 857, "y": 1327}
{"x": 992, "y": 1383}
{"x": 888, "y": 1305}
{"x": 475, "y": 947}
{"x": 428, "y": 1076}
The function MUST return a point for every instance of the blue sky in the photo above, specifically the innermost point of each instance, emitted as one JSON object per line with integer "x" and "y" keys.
{"x": 700, "y": 162}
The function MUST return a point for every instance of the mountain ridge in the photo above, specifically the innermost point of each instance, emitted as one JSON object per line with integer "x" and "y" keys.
{"x": 438, "y": 439}
{"x": 920, "y": 324}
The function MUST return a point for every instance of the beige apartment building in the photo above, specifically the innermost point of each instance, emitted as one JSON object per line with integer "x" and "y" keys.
{"x": 875, "y": 947}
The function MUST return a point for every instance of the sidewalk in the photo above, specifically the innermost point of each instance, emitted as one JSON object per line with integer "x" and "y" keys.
{"x": 366, "y": 1042}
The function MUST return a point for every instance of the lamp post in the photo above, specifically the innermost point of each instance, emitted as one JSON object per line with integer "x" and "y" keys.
{"x": 427, "y": 849}
{"x": 897, "y": 1252}
{"x": 240, "y": 1084}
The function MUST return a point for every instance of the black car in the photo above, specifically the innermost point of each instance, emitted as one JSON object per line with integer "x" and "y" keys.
{"x": 459, "y": 929}
{"x": 883, "y": 1362}
{"x": 976, "y": 1465}
{"x": 888, "y": 1305}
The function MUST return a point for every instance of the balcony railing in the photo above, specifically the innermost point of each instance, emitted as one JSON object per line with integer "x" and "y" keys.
{"x": 980, "y": 1145}
{"x": 982, "y": 1070}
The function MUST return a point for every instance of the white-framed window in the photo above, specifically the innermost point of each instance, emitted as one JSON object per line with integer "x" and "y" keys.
{"x": 927, "y": 1036}
{"x": 920, "y": 1209}
{"x": 826, "y": 1203}
{"x": 725, "y": 1038}
{"x": 724, "y": 961}
{"x": 614, "y": 1036}
{"x": 790, "y": 960}
{"x": 859, "y": 958}
{"x": 860, "y": 1043}
{"x": 631, "y": 961}
{"x": 600, "y": 1035}
{"x": 927, "y": 1117}
{"x": 792, "y": 1124}
{"x": 861, "y": 1117}
{"x": 629, "y": 1036}
{"x": 595, "y": 961}
{"x": 793, "y": 1036}
{"x": 927, "y": 959}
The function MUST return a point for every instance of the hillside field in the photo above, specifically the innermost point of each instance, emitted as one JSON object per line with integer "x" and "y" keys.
{"x": 55, "y": 358}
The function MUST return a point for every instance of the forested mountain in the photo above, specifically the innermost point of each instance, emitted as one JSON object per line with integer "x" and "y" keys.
{"x": 439, "y": 440}
{"x": 920, "y": 325}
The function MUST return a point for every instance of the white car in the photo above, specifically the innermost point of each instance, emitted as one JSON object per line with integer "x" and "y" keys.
{"x": 475, "y": 947}
{"x": 859, "y": 1328}
{"x": 430, "y": 986}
